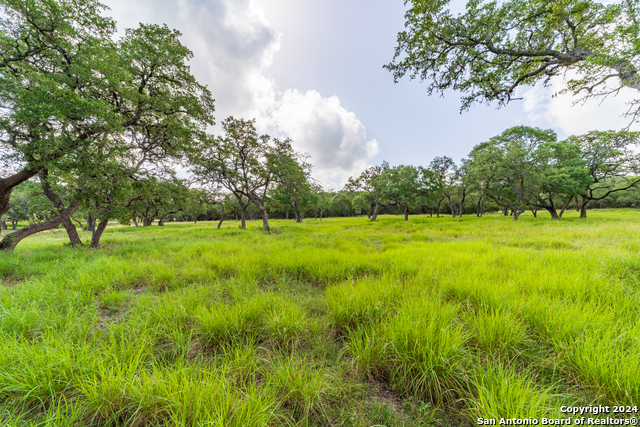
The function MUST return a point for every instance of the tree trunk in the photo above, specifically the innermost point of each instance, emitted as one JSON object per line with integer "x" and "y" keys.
{"x": 7, "y": 184}
{"x": 14, "y": 224}
{"x": 406, "y": 213}
{"x": 535, "y": 213}
{"x": 286, "y": 215}
{"x": 479, "y": 208}
{"x": 265, "y": 219}
{"x": 583, "y": 207}
{"x": 505, "y": 211}
{"x": 297, "y": 211}
{"x": 11, "y": 240}
{"x": 553, "y": 212}
{"x": 97, "y": 234}
{"x": 5, "y": 195}
{"x": 91, "y": 223}
{"x": 221, "y": 220}
{"x": 564, "y": 207}
{"x": 461, "y": 204}
{"x": 375, "y": 213}
{"x": 516, "y": 214}
{"x": 578, "y": 206}
{"x": 321, "y": 210}
{"x": 74, "y": 239}
{"x": 438, "y": 211}
{"x": 243, "y": 214}
{"x": 72, "y": 232}
{"x": 4, "y": 225}
{"x": 135, "y": 222}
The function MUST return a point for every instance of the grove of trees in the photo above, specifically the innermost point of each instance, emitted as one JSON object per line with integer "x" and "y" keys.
{"x": 94, "y": 126}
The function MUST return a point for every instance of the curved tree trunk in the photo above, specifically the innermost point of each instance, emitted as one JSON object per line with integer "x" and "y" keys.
{"x": 265, "y": 218}
{"x": 74, "y": 238}
{"x": 553, "y": 212}
{"x": 564, "y": 207}
{"x": 5, "y": 195}
{"x": 221, "y": 220}
{"x": 72, "y": 232}
{"x": 7, "y": 184}
{"x": 374, "y": 216}
{"x": 10, "y": 241}
{"x": 583, "y": 207}
{"x": 516, "y": 214}
{"x": 97, "y": 234}
{"x": 406, "y": 214}
{"x": 243, "y": 214}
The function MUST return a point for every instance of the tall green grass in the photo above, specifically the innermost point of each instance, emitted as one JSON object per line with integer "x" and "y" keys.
{"x": 333, "y": 322}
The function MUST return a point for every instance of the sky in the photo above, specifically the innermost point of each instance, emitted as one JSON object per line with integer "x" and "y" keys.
{"x": 312, "y": 71}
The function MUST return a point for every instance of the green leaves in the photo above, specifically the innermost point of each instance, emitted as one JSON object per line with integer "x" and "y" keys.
{"x": 495, "y": 47}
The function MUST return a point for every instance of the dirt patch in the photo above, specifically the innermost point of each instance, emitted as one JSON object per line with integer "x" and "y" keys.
{"x": 138, "y": 288}
{"x": 10, "y": 281}
{"x": 111, "y": 314}
{"x": 107, "y": 316}
{"x": 383, "y": 395}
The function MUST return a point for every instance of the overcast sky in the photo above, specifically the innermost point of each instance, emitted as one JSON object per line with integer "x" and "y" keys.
{"x": 312, "y": 70}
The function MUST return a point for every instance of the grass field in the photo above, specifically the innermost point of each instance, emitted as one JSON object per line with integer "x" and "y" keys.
{"x": 336, "y": 322}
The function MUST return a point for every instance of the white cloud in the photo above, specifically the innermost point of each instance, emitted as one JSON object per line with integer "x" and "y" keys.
{"x": 558, "y": 112}
{"x": 233, "y": 43}
{"x": 334, "y": 137}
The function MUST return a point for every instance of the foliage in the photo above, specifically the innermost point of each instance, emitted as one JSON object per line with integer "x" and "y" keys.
{"x": 496, "y": 46}
{"x": 509, "y": 167}
{"x": 373, "y": 182}
{"x": 611, "y": 162}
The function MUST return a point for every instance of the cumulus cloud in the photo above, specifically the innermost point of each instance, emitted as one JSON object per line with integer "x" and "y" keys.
{"x": 322, "y": 127}
{"x": 233, "y": 43}
{"x": 547, "y": 109}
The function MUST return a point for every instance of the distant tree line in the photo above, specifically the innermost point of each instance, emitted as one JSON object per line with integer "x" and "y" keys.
{"x": 242, "y": 176}
{"x": 94, "y": 127}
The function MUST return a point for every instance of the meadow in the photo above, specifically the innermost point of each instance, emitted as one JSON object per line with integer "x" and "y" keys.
{"x": 339, "y": 322}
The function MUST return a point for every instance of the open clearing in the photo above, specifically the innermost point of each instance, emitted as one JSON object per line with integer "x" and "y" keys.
{"x": 339, "y": 322}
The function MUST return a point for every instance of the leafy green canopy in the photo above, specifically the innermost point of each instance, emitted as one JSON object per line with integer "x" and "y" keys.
{"x": 73, "y": 99}
{"x": 496, "y": 46}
